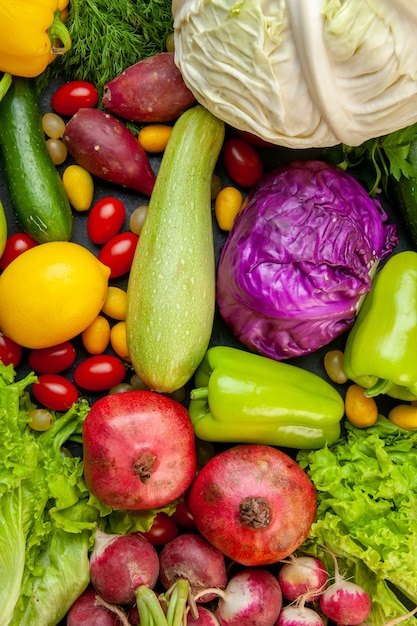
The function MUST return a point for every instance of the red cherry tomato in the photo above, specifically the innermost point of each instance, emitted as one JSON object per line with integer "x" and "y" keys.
{"x": 55, "y": 392}
{"x": 163, "y": 529}
{"x": 52, "y": 360}
{"x": 106, "y": 219}
{"x": 70, "y": 97}
{"x": 15, "y": 245}
{"x": 99, "y": 372}
{"x": 118, "y": 253}
{"x": 183, "y": 516}
{"x": 10, "y": 351}
{"x": 242, "y": 162}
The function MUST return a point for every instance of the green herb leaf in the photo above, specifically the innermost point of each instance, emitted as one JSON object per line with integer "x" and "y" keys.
{"x": 107, "y": 37}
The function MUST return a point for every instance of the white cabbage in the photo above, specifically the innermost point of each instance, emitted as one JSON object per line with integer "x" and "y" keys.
{"x": 302, "y": 73}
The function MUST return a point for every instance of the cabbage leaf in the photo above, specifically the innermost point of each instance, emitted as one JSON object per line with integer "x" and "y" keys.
{"x": 301, "y": 74}
{"x": 367, "y": 512}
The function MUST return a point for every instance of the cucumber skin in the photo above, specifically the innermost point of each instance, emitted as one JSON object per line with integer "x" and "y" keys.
{"x": 171, "y": 288}
{"x": 38, "y": 197}
{"x": 403, "y": 194}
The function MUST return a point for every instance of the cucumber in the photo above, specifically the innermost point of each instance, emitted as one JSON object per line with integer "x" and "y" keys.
{"x": 36, "y": 191}
{"x": 403, "y": 194}
{"x": 171, "y": 287}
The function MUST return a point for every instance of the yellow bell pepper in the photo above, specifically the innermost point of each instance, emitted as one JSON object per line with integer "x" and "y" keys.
{"x": 30, "y": 34}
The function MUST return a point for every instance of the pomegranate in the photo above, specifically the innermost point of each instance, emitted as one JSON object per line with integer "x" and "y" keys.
{"x": 138, "y": 449}
{"x": 254, "y": 503}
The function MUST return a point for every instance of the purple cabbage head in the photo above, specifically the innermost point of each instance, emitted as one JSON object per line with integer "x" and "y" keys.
{"x": 297, "y": 260}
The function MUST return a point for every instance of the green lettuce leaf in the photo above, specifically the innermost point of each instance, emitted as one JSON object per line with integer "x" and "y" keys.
{"x": 367, "y": 512}
{"x": 46, "y": 519}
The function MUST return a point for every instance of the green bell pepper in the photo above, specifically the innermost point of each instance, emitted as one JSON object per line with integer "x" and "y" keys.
{"x": 247, "y": 398}
{"x": 381, "y": 348}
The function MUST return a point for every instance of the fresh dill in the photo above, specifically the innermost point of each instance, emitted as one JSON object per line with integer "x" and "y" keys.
{"x": 107, "y": 37}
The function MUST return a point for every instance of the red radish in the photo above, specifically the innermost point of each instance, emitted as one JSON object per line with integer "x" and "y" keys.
{"x": 254, "y": 503}
{"x": 152, "y": 90}
{"x": 90, "y": 610}
{"x": 252, "y": 596}
{"x": 345, "y": 602}
{"x": 302, "y": 575}
{"x": 133, "y": 615}
{"x": 109, "y": 150}
{"x": 138, "y": 449}
{"x": 119, "y": 564}
{"x": 205, "y": 618}
{"x": 298, "y": 615}
{"x": 190, "y": 557}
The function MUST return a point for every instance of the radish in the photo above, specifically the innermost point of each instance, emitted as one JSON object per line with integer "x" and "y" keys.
{"x": 254, "y": 503}
{"x": 90, "y": 610}
{"x": 252, "y": 596}
{"x": 301, "y": 575}
{"x": 298, "y": 615}
{"x": 191, "y": 557}
{"x": 119, "y": 564}
{"x": 345, "y": 602}
{"x": 205, "y": 618}
{"x": 106, "y": 148}
{"x": 139, "y": 450}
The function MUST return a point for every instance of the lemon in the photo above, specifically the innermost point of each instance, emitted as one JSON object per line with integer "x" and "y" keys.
{"x": 51, "y": 293}
{"x": 3, "y": 229}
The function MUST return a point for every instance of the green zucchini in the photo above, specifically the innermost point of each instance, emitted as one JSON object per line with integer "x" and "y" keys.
{"x": 36, "y": 191}
{"x": 171, "y": 288}
{"x": 403, "y": 194}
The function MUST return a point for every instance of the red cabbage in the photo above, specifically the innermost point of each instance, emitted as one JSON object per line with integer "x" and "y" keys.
{"x": 297, "y": 260}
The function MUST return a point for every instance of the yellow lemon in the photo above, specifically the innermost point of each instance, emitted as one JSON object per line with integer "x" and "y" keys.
{"x": 51, "y": 293}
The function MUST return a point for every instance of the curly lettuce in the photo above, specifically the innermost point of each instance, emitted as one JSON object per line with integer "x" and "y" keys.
{"x": 367, "y": 512}
{"x": 46, "y": 518}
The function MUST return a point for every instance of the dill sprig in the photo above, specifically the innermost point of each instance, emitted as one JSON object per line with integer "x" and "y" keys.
{"x": 107, "y": 37}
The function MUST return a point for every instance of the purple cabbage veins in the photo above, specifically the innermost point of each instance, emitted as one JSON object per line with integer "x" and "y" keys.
{"x": 298, "y": 259}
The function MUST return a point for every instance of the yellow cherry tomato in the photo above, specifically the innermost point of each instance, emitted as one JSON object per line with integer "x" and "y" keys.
{"x": 404, "y": 416}
{"x": 154, "y": 137}
{"x": 96, "y": 336}
{"x": 227, "y": 205}
{"x": 115, "y": 304}
{"x": 79, "y": 186}
{"x": 118, "y": 340}
{"x": 360, "y": 410}
{"x": 51, "y": 293}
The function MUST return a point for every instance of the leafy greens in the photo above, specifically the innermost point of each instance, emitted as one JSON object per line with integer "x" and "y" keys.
{"x": 46, "y": 517}
{"x": 107, "y": 37}
{"x": 377, "y": 160}
{"x": 367, "y": 512}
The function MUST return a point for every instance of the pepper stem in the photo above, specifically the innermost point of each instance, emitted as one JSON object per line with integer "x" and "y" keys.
{"x": 201, "y": 393}
{"x": 5, "y": 82}
{"x": 381, "y": 386}
{"x": 58, "y": 31}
